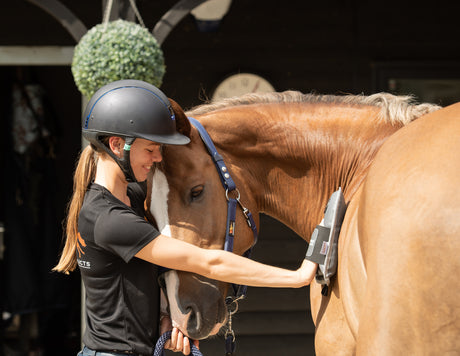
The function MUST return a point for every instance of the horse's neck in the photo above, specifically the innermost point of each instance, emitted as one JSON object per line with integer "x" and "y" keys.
{"x": 293, "y": 161}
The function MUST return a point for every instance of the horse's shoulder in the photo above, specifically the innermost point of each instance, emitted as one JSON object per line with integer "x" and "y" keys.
{"x": 413, "y": 179}
{"x": 430, "y": 142}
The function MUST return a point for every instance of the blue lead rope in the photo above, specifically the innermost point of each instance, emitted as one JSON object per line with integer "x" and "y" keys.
{"x": 160, "y": 345}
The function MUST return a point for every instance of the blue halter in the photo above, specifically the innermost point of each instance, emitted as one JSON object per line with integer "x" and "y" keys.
{"x": 230, "y": 187}
{"x": 239, "y": 291}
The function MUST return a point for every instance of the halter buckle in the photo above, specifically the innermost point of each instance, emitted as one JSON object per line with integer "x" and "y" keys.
{"x": 237, "y": 193}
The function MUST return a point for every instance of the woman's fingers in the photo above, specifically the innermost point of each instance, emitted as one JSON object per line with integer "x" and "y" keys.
{"x": 180, "y": 341}
{"x": 186, "y": 346}
{"x": 173, "y": 340}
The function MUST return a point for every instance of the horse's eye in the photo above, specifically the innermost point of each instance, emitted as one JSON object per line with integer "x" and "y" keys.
{"x": 196, "y": 192}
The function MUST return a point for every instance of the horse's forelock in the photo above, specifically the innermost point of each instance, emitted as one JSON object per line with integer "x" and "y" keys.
{"x": 393, "y": 108}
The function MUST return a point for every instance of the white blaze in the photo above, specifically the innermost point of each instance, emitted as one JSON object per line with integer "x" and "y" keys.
{"x": 159, "y": 210}
{"x": 159, "y": 202}
{"x": 179, "y": 320}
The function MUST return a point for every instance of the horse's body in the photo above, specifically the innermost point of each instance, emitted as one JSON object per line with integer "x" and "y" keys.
{"x": 400, "y": 240}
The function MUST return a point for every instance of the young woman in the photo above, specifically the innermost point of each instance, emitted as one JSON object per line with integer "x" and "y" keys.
{"x": 115, "y": 248}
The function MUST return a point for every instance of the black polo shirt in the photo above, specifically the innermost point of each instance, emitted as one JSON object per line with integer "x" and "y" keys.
{"x": 122, "y": 293}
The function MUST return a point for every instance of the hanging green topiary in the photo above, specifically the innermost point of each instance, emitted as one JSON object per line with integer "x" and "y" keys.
{"x": 116, "y": 50}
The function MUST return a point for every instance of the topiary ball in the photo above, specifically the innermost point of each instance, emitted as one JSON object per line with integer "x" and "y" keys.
{"x": 114, "y": 51}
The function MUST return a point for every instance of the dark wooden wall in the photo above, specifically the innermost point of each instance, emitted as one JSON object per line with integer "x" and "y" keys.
{"x": 331, "y": 46}
{"x": 328, "y": 46}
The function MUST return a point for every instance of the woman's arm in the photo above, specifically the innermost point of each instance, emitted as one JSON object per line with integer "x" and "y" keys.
{"x": 222, "y": 265}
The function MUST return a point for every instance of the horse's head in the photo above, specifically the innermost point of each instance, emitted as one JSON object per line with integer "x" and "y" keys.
{"x": 188, "y": 202}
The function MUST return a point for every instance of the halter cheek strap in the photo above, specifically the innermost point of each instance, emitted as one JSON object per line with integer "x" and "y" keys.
{"x": 230, "y": 188}
{"x": 239, "y": 291}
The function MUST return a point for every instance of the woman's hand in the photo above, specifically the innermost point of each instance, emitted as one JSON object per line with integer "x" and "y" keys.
{"x": 178, "y": 342}
{"x": 307, "y": 272}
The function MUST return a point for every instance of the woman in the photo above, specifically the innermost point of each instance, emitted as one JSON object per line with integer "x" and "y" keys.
{"x": 116, "y": 249}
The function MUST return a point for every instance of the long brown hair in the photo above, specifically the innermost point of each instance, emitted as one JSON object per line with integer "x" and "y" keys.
{"x": 84, "y": 174}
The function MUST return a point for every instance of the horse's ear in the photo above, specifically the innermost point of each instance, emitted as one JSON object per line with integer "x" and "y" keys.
{"x": 182, "y": 124}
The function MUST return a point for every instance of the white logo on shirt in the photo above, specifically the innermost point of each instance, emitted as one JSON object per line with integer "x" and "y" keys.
{"x": 84, "y": 264}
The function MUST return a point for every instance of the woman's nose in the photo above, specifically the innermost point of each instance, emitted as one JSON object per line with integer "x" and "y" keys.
{"x": 156, "y": 155}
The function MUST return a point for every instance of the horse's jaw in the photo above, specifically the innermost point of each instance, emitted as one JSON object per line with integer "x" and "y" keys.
{"x": 190, "y": 313}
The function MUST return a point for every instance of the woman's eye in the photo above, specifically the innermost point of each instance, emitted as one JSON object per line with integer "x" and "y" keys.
{"x": 196, "y": 192}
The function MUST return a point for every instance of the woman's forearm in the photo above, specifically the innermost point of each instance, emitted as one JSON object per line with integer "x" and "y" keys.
{"x": 224, "y": 266}
{"x": 228, "y": 267}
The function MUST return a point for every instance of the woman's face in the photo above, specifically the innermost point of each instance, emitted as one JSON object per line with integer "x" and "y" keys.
{"x": 143, "y": 154}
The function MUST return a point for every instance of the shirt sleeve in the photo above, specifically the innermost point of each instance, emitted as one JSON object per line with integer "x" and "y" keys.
{"x": 123, "y": 232}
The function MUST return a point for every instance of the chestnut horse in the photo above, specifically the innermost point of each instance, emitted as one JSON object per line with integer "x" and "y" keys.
{"x": 398, "y": 165}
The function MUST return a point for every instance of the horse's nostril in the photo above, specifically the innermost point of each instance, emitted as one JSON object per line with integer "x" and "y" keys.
{"x": 192, "y": 323}
{"x": 161, "y": 281}
{"x": 201, "y": 322}
{"x": 196, "y": 304}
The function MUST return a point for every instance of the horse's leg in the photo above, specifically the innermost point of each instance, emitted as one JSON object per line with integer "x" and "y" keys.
{"x": 410, "y": 224}
{"x": 332, "y": 335}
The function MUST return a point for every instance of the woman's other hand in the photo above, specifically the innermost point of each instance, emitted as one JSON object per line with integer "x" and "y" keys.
{"x": 178, "y": 342}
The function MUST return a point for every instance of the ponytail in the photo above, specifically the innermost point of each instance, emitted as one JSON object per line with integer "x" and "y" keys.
{"x": 84, "y": 174}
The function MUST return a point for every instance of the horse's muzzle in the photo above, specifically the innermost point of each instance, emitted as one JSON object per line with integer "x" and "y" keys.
{"x": 196, "y": 303}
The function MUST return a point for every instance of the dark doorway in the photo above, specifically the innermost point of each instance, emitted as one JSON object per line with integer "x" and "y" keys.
{"x": 40, "y": 114}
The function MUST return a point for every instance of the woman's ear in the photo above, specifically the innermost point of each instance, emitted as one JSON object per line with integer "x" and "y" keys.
{"x": 182, "y": 123}
{"x": 116, "y": 144}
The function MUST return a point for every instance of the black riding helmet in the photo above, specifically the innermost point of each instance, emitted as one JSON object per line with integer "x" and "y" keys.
{"x": 130, "y": 109}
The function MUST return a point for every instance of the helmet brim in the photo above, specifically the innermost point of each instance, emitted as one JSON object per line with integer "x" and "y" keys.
{"x": 174, "y": 139}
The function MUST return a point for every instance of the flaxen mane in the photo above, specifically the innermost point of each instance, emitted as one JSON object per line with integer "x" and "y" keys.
{"x": 394, "y": 109}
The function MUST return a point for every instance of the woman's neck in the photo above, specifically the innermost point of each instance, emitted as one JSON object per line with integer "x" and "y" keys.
{"x": 110, "y": 176}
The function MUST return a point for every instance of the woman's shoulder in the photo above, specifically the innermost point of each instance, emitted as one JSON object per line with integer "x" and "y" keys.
{"x": 94, "y": 197}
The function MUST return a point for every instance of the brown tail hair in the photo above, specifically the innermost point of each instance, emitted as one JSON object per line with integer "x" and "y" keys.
{"x": 84, "y": 174}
